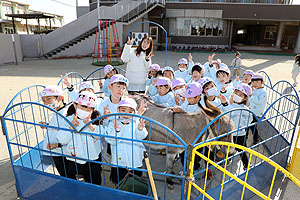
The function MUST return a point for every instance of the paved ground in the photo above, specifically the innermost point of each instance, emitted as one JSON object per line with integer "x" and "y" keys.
{"x": 14, "y": 78}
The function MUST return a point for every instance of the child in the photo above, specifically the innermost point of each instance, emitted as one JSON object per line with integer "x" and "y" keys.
{"x": 152, "y": 75}
{"x": 164, "y": 96}
{"x": 124, "y": 152}
{"x": 178, "y": 87}
{"x": 152, "y": 90}
{"x": 224, "y": 84}
{"x": 82, "y": 146}
{"x": 247, "y": 76}
{"x": 197, "y": 72}
{"x": 109, "y": 71}
{"x": 258, "y": 102}
{"x": 52, "y": 96}
{"x": 192, "y": 105}
{"x": 296, "y": 70}
{"x": 236, "y": 64}
{"x": 210, "y": 68}
{"x": 84, "y": 86}
{"x": 168, "y": 72}
{"x": 184, "y": 68}
{"x": 240, "y": 118}
{"x": 117, "y": 86}
{"x": 209, "y": 90}
{"x": 138, "y": 62}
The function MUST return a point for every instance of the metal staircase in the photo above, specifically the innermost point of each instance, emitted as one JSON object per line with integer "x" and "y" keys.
{"x": 126, "y": 11}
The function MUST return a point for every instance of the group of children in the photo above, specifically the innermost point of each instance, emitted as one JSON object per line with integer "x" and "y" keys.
{"x": 192, "y": 88}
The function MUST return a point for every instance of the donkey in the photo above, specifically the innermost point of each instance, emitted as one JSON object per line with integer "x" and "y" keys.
{"x": 186, "y": 126}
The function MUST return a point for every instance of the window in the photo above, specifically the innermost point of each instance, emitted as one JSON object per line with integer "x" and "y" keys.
{"x": 197, "y": 27}
{"x": 270, "y": 32}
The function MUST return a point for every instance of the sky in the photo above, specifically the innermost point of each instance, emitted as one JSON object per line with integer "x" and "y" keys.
{"x": 66, "y": 8}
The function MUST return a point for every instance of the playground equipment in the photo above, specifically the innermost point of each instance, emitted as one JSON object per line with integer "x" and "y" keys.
{"x": 107, "y": 48}
{"x": 37, "y": 178}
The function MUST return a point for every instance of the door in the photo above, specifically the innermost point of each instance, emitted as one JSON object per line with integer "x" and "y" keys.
{"x": 154, "y": 34}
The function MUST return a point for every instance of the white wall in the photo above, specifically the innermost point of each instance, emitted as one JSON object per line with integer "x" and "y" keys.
{"x": 6, "y": 49}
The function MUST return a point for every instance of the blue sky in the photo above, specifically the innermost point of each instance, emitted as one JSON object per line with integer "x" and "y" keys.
{"x": 67, "y": 8}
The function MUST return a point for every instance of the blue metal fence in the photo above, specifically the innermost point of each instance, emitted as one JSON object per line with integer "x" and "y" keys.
{"x": 37, "y": 178}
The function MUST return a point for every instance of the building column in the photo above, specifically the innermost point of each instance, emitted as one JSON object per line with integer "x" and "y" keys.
{"x": 297, "y": 46}
{"x": 279, "y": 34}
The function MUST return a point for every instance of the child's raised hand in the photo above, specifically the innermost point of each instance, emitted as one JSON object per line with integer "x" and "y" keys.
{"x": 141, "y": 125}
{"x": 129, "y": 41}
{"x": 52, "y": 146}
{"x": 231, "y": 99}
{"x": 149, "y": 56}
{"x": 66, "y": 80}
{"x": 106, "y": 111}
{"x": 154, "y": 82}
{"x": 44, "y": 123}
{"x": 177, "y": 100}
{"x": 100, "y": 84}
{"x": 142, "y": 108}
{"x": 88, "y": 119}
{"x": 75, "y": 121}
{"x": 177, "y": 109}
{"x": 117, "y": 126}
{"x": 222, "y": 98}
{"x": 223, "y": 89}
{"x": 190, "y": 57}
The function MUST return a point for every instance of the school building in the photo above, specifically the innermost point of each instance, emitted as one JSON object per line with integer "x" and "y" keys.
{"x": 271, "y": 25}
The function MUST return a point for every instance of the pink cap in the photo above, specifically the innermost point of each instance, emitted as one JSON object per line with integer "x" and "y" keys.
{"x": 182, "y": 61}
{"x": 155, "y": 67}
{"x": 218, "y": 61}
{"x": 167, "y": 68}
{"x": 85, "y": 85}
{"x": 244, "y": 88}
{"x": 204, "y": 80}
{"x": 119, "y": 78}
{"x": 194, "y": 89}
{"x": 224, "y": 69}
{"x": 178, "y": 82}
{"x": 107, "y": 69}
{"x": 249, "y": 72}
{"x": 51, "y": 90}
{"x": 86, "y": 98}
{"x": 162, "y": 81}
{"x": 128, "y": 102}
{"x": 257, "y": 77}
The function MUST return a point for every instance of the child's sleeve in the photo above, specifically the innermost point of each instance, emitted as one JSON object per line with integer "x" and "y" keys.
{"x": 73, "y": 94}
{"x": 236, "y": 82}
{"x": 229, "y": 90}
{"x": 110, "y": 130}
{"x": 152, "y": 90}
{"x": 64, "y": 137}
{"x": 259, "y": 99}
{"x": 126, "y": 53}
{"x": 149, "y": 81}
{"x": 170, "y": 102}
{"x": 105, "y": 88}
{"x": 154, "y": 98}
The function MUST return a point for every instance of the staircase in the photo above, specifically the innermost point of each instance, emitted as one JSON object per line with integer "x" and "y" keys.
{"x": 126, "y": 11}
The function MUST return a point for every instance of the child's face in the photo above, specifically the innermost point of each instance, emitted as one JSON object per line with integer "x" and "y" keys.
{"x": 153, "y": 73}
{"x": 194, "y": 100}
{"x": 246, "y": 78}
{"x": 183, "y": 66}
{"x": 223, "y": 77}
{"x": 87, "y": 89}
{"x": 207, "y": 87}
{"x": 125, "y": 109}
{"x": 178, "y": 87}
{"x": 196, "y": 75}
{"x": 117, "y": 89}
{"x": 257, "y": 84}
{"x": 163, "y": 89}
{"x": 240, "y": 94}
{"x": 237, "y": 56}
{"x": 145, "y": 44}
{"x": 85, "y": 108}
{"x": 168, "y": 74}
{"x": 49, "y": 99}
{"x": 111, "y": 73}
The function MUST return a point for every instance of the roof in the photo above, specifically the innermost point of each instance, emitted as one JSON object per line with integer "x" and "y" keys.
{"x": 30, "y": 16}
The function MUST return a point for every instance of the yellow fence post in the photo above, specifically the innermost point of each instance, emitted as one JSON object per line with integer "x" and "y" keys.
{"x": 295, "y": 162}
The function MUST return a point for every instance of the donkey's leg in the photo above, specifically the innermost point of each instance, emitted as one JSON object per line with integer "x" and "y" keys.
{"x": 170, "y": 167}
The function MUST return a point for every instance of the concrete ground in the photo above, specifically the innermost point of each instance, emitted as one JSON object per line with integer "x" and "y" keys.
{"x": 16, "y": 77}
